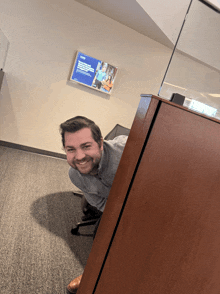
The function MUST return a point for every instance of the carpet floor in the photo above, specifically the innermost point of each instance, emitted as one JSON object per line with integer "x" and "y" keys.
{"x": 38, "y": 208}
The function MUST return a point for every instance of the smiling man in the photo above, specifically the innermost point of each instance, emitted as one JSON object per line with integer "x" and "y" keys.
{"x": 83, "y": 152}
{"x": 93, "y": 164}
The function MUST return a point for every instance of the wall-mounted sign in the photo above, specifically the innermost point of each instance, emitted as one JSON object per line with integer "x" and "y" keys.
{"x": 93, "y": 73}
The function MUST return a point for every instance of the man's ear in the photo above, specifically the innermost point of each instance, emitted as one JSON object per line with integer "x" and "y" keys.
{"x": 101, "y": 144}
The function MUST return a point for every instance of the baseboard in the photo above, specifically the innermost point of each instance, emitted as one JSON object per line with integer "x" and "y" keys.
{"x": 31, "y": 149}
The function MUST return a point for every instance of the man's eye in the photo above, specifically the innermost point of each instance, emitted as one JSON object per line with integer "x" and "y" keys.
{"x": 86, "y": 147}
{"x": 70, "y": 150}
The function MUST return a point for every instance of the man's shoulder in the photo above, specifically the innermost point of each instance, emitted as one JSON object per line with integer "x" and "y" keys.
{"x": 116, "y": 146}
{"x": 117, "y": 141}
{"x": 113, "y": 150}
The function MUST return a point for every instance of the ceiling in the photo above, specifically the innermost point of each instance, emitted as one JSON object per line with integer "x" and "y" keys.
{"x": 130, "y": 14}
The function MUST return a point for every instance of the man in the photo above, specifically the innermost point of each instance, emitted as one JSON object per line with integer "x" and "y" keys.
{"x": 93, "y": 164}
{"x": 99, "y": 77}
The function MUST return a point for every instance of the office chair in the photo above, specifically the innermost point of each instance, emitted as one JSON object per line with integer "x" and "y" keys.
{"x": 91, "y": 214}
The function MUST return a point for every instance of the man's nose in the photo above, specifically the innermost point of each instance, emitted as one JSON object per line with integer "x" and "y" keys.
{"x": 79, "y": 155}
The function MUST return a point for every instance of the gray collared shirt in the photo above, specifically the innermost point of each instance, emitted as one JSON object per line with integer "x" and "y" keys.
{"x": 96, "y": 188}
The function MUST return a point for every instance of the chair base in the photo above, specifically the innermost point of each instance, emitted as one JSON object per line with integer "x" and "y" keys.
{"x": 75, "y": 230}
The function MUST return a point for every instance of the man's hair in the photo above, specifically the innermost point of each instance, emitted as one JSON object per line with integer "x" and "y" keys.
{"x": 77, "y": 123}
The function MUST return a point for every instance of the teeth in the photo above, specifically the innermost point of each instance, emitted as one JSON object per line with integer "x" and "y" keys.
{"x": 82, "y": 162}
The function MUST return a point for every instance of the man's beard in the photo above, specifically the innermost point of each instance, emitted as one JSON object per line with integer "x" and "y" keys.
{"x": 95, "y": 165}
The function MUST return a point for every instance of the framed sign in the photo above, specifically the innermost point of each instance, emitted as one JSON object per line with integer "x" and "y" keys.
{"x": 93, "y": 73}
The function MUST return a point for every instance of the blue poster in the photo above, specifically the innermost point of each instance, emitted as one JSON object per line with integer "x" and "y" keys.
{"x": 85, "y": 69}
{"x": 93, "y": 73}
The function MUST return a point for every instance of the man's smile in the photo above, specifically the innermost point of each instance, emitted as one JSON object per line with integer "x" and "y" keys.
{"x": 82, "y": 162}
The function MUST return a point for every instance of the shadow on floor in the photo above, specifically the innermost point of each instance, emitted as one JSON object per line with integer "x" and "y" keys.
{"x": 58, "y": 213}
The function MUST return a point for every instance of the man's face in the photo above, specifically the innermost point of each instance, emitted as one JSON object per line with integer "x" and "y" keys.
{"x": 83, "y": 152}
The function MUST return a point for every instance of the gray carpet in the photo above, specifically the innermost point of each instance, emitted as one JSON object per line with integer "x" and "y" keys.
{"x": 38, "y": 254}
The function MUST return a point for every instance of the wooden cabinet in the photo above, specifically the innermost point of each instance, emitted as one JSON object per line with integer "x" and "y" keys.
{"x": 160, "y": 231}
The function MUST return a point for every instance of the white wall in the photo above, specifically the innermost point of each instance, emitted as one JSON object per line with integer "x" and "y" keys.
{"x": 44, "y": 37}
